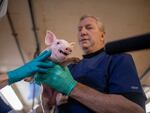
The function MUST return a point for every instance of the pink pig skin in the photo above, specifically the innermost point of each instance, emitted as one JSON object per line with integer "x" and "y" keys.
{"x": 60, "y": 50}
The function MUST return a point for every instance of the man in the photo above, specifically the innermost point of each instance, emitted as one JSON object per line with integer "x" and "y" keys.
{"x": 101, "y": 83}
{"x": 39, "y": 64}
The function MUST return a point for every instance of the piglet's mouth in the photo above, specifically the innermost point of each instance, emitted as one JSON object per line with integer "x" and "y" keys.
{"x": 62, "y": 52}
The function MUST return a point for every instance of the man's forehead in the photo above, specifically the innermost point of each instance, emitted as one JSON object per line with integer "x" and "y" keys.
{"x": 87, "y": 21}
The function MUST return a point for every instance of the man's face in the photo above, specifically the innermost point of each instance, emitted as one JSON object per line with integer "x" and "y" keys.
{"x": 90, "y": 37}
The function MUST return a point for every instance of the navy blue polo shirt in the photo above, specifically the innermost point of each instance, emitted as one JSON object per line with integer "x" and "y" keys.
{"x": 111, "y": 74}
{"x": 4, "y": 108}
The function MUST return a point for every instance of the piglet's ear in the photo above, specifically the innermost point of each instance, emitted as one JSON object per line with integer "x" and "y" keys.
{"x": 49, "y": 38}
{"x": 72, "y": 44}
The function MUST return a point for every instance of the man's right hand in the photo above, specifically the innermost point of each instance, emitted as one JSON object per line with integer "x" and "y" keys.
{"x": 58, "y": 78}
{"x": 39, "y": 64}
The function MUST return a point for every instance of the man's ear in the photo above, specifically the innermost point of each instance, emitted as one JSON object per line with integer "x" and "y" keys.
{"x": 49, "y": 38}
{"x": 102, "y": 36}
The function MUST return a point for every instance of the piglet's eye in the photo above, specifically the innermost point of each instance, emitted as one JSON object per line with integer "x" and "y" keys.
{"x": 58, "y": 42}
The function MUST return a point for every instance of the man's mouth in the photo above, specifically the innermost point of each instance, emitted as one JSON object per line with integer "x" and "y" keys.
{"x": 62, "y": 52}
{"x": 83, "y": 40}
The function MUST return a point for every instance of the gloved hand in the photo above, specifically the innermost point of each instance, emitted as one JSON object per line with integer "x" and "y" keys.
{"x": 58, "y": 78}
{"x": 36, "y": 65}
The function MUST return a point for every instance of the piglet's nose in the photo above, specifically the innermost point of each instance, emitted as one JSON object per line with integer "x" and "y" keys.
{"x": 68, "y": 49}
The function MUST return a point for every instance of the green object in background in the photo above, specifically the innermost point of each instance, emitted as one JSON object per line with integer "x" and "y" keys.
{"x": 58, "y": 78}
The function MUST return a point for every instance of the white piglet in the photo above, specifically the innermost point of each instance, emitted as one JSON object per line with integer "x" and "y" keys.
{"x": 60, "y": 49}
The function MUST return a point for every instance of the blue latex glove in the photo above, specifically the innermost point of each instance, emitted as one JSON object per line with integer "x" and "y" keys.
{"x": 39, "y": 64}
{"x": 58, "y": 78}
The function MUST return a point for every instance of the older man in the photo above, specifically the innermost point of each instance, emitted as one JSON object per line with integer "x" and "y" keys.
{"x": 101, "y": 83}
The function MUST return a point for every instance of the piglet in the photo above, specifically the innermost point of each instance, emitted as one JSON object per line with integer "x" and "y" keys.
{"x": 60, "y": 49}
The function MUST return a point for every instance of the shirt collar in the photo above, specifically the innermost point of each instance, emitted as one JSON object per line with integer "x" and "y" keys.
{"x": 93, "y": 54}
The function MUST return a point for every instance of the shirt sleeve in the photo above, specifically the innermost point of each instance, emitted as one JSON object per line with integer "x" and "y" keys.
{"x": 123, "y": 75}
{"x": 123, "y": 79}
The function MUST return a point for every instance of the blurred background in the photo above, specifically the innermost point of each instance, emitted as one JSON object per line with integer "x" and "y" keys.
{"x": 23, "y": 28}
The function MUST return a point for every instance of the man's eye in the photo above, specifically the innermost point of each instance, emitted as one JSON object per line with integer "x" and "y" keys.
{"x": 89, "y": 28}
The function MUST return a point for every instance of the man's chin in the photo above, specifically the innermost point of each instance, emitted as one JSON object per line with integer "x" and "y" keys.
{"x": 84, "y": 46}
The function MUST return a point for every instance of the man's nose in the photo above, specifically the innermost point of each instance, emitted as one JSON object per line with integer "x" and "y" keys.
{"x": 83, "y": 31}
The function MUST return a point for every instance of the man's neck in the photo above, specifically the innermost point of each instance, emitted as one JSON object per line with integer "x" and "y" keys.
{"x": 88, "y": 51}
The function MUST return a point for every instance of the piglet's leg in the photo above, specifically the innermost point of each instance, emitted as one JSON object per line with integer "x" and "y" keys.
{"x": 48, "y": 98}
{"x": 70, "y": 60}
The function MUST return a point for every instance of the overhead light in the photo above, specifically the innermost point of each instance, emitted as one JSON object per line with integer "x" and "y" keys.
{"x": 148, "y": 107}
{"x": 147, "y": 92}
{"x": 11, "y": 98}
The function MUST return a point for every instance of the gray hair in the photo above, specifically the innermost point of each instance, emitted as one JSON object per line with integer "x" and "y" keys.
{"x": 99, "y": 23}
